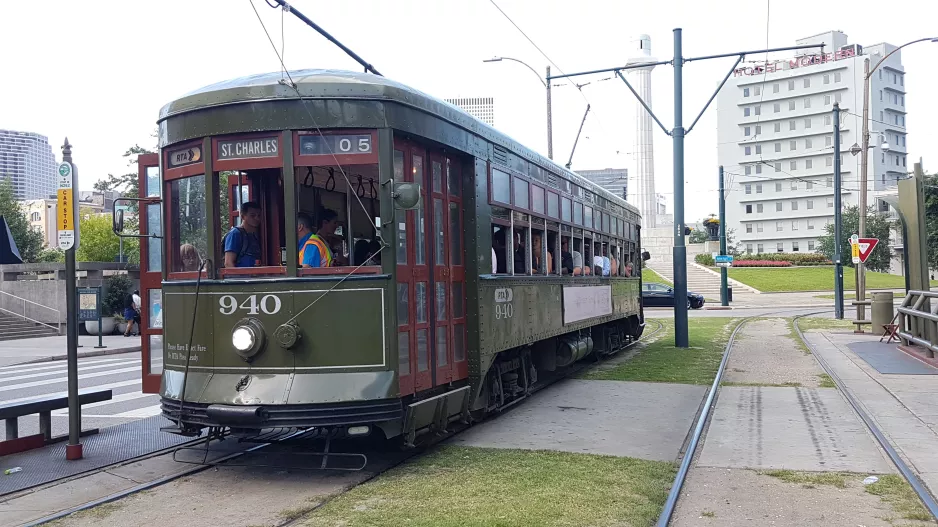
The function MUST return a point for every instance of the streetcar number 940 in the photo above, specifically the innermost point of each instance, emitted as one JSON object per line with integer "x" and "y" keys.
{"x": 267, "y": 304}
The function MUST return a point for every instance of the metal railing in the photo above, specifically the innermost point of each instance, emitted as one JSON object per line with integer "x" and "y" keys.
{"x": 918, "y": 320}
{"x": 17, "y": 301}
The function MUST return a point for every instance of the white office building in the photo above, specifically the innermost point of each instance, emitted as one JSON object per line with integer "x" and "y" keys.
{"x": 482, "y": 108}
{"x": 615, "y": 180}
{"x": 26, "y": 159}
{"x": 775, "y": 140}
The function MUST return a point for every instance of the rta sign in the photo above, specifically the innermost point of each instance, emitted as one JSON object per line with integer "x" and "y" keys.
{"x": 797, "y": 62}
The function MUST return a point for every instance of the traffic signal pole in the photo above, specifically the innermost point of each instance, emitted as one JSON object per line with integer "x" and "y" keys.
{"x": 677, "y": 134}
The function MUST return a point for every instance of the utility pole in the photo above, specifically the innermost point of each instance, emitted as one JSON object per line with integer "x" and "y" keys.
{"x": 677, "y": 134}
{"x": 838, "y": 216}
{"x": 679, "y": 256}
{"x": 724, "y": 291}
{"x": 550, "y": 119}
{"x": 860, "y": 269}
{"x": 68, "y": 240}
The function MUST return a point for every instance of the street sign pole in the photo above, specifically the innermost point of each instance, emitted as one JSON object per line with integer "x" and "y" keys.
{"x": 68, "y": 241}
{"x": 724, "y": 291}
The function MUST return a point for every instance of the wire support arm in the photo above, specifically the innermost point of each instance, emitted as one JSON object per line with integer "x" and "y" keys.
{"x": 368, "y": 67}
{"x": 609, "y": 70}
{"x": 715, "y": 92}
{"x": 642, "y": 101}
{"x": 756, "y": 52}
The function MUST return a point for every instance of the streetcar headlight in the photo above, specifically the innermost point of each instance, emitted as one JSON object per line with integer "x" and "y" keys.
{"x": 243, "y": 338}
{"x": 248, "y": 338}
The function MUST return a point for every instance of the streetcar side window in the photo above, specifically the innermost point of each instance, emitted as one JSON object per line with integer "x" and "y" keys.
{"x": 499, "y": 249}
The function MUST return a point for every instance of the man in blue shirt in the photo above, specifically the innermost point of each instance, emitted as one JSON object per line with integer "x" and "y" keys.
{"x": 242, "y": 243}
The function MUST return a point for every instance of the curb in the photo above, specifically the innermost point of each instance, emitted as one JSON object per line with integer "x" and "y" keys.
{"x": 84, "y": 354}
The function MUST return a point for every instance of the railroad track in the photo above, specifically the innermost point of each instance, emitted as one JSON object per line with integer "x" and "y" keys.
{"x": 699, "y": 428}
{"x": 228, "y": 458}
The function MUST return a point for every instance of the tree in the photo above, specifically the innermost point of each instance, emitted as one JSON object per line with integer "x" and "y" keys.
{"x": 28, "y": 240}
{"x": 53, "y": 255}
{"x": 931, "y": 218}
{"x": 98, "y": 242}
{"x": 878, "y": 225}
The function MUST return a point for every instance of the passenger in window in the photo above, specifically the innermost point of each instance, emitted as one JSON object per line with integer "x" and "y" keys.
{"x": 190, "y": 257}
{"x": 242, "y": 243}
{"x": 312, "y": 248}
{"x": 363, "y": 252}
{"x": 494, "y": 261}
{"x": 536, "y": 255}
{"x": 628, "y": 269}
{"x": 607, "y": 262}
{"x": 328, "y": 223}
{"x": 566, "y": 258}
{"x": 613, "y": 263}
{"x": 598, "y": 261}
{"x": 500, "y": 263}
{"x": 520, "y": 259}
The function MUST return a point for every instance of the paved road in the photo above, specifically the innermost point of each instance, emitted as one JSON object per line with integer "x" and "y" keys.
{"x": 119, "y": 373}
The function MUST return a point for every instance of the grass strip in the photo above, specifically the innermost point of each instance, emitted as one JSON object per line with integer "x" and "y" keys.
{"x": 649, "y": 275}
{"x": 778, "y": 279}
{"x": 660, "y": 361}
{"x": 464, "y": 486}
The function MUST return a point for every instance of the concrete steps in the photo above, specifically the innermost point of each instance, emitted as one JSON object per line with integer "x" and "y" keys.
{"x": 699, "y": 278}
{"x": 16, "y": 328}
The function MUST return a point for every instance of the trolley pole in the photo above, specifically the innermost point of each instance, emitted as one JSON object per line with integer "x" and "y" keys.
{"x": 68, "y": 192}
{"x": 550, "y": 119}
{"x": 859, "y": 268}
{"x": 838, "y": 217}
{"x": 679, "y": 260}
{"x": 724, "y": 292}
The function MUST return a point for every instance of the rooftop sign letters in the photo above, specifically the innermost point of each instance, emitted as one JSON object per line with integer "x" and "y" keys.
{"x": 185, "y": 156}
{"x": 248, "y": 148}
{"x": 797, "y": 62}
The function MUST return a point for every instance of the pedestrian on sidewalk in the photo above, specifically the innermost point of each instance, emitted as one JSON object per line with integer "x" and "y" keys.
{"x": 132, "y": 313}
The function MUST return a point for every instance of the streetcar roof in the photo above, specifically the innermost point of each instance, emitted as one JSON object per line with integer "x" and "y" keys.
{"x": 341, "y": 84}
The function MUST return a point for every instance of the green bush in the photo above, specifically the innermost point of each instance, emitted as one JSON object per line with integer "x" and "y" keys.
{"x": 793, "y": 258}
{"x": 704, "y": 259}
{"x": 116, "y": 289}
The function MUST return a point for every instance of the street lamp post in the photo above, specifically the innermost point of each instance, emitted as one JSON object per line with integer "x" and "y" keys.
{"x": 546, "y": 83}
{"x": 860, "y": 269}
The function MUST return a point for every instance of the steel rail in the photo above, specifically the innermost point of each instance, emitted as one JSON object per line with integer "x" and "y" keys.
{"x": 927, "y": 499}
{"x": 710, "y": 402}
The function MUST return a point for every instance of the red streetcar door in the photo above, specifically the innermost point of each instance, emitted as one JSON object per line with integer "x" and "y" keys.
{"x": 456, "y": 270}
{"x": 439, "y": 225}
{"x": 151, "y": 271}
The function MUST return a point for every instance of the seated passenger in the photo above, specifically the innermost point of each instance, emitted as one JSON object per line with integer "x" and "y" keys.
{"x": 628, "y": 269}
{"x": 598, "y": 264}
{"x": 313, "y": 250}
{"x": 607, "y": 263}
{"x": 520, "y": 258}
{"x": 566, "y": 258}
{"x": 328, "y": 223}
{"x": 614, "y": 264}
{"x": 536, "y": 255}
{"x": 578, "y": 267}
{"x": 242, "y": 243}
{"x": 190, "y": 257}
{"x": 362, "y": 251}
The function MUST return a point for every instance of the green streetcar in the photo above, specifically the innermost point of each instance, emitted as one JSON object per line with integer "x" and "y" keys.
{"x": 461, "y": 261}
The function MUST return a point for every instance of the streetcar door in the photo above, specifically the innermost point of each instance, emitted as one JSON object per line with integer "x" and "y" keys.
{"x": 413, "y": 320}
{"x": 151, "y": 271}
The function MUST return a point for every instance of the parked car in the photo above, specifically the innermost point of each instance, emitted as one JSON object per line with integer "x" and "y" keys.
{"x": 661, "y": 295}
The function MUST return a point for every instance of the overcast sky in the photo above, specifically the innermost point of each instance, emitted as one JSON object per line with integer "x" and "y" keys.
{"x": 99, "y": 71}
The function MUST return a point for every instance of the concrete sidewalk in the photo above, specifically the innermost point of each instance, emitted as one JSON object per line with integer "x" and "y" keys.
{"x": 54, "y": 348}
{"x": 903, "y": 406}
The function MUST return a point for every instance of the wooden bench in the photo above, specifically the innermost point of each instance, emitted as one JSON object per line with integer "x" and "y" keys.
{"x": 42, "y": 405}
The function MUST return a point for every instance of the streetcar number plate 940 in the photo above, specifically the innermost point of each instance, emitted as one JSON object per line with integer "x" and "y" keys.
{"x": 267, "y": 304}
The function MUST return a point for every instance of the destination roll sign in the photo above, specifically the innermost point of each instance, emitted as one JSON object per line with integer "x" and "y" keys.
{"x": 248, "y": 148}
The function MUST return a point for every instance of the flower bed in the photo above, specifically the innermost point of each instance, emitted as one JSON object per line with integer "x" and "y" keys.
{"x": 760, "y": 263}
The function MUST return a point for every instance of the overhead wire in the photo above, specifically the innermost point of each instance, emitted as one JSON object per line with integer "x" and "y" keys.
{"x": 569, "y": 80}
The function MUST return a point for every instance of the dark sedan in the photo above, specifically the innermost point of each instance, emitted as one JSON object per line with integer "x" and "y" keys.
{"x": 661, "y": 295}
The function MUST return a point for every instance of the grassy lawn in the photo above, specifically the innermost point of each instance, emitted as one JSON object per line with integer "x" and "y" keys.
{"x": 649, "y": 275}
{"x": 460, "y": 486}
{"x": 660, "y": 361}
{"x": 810, "y": 279}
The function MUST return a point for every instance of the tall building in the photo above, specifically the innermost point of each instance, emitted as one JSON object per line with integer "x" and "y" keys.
{"x": 26, "y": 159}
{"x": 644, "y": 196}
{"x": 775, "y": 140}
{"x": 615, "y": 180}
{"x": 482, "y": 108}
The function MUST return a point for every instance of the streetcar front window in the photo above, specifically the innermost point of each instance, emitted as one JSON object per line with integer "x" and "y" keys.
{"x": 342, "y": 201}
{"x": 188, "y": 227}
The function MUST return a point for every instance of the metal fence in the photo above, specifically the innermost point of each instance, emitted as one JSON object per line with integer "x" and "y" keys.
{"x": 918, "y": 320}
